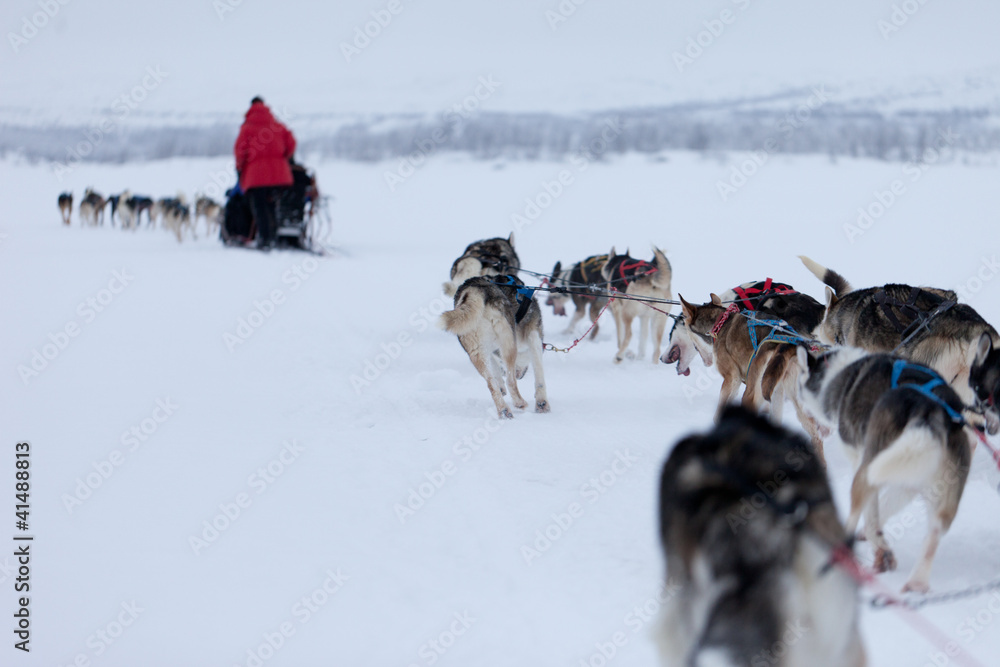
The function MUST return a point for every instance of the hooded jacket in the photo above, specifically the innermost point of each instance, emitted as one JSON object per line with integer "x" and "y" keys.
{"x": 262, "y": 150}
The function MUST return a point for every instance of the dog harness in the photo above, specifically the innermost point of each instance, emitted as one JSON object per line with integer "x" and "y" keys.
{"x": 523, "y": 296}
{"x": 917, "y": 318}
{"x": 753, "y": 322}
{"x": 630, "y": 271}
{"x": 748, "y": 295}
{"x": 931, "y": 381}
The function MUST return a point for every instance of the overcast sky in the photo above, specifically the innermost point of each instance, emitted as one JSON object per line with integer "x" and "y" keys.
{"x": 215, "y": 55}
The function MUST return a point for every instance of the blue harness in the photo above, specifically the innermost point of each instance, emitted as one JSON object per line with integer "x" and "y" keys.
{"x": 524, "y": 296}
{"x": 927, "y": 388}
{"x": 753, "y": 322}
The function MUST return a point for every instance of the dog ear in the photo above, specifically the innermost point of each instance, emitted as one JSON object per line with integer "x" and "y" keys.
{"x": 612, "y": 253}
{"x": 831, "y": 298}
{"x": 556, "y": 269}
{"x": 626, "y": 252}
{"x": 981, "y": 350}
{"x": 510, "y": 239}
{"x": 688, "y": 309}
{"x": 716, "y": 300}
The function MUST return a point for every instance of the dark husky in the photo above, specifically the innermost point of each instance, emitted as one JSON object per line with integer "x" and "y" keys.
{"x": 905, "y": 432}
{"x": 66, "y": 206}
{"x": 924, "y": 324}
{"x": 578, "y": 279}
{"x": 489, "y": 257}
{"x": 496, "y": 317}
{"x": 748, "y": 526}
{"x": 639, "y": 278}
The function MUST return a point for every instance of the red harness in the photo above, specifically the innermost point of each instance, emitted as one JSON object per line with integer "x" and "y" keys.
{"x": 623, "y": 267}
{"x": 748, "y": 295}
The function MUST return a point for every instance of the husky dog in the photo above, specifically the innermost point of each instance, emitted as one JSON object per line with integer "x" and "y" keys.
{"x": 579, "y": 278}
{"x": 748, "y": 527}
{"x": 204, "y": 207}
{"x": 923, "y": 324}
{"x": 158, "y": 211}
{"x": 638, "y": 278}
{"x": 489, "y": 257}
{"x": 92, "y": 208}
{"x": 498, "y": 321}
{"x": 177, "y": 218}
{"x": 66, "y": 206}
{"x": 904, "y": 429}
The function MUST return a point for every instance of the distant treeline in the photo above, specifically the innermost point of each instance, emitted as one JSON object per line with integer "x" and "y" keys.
{"x": 901, "y": 136}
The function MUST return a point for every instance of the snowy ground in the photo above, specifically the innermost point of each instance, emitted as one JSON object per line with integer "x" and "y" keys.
{"x": 449, "y": 583}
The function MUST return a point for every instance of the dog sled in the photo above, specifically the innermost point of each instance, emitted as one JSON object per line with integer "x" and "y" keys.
{"x": 300, "y": 212}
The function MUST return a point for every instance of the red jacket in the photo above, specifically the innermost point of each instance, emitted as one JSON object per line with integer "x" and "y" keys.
{"x": 262, "y": 150}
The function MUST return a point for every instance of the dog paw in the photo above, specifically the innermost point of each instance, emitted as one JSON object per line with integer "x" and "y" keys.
{"x": 885, "y": 561}
{"x": 618, "y": 358}
{"x": 541, "y": 406}
{"x": 505, "y": 414}
{"x": 521, "y": 405}
{"x": 916, "y": 586}
{"x": 629, "y": 354}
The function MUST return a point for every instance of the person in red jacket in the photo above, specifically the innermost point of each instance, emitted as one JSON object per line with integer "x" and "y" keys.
{"x": 262, "y": 151}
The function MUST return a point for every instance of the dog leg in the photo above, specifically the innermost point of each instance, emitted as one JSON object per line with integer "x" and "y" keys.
{"x": 482, "y": 365}
{"x": 577, "y": 316}
{"x": 595, "y": 314}
{"x": 535, "y": 345}
{"x": 659, "y": 327}
{"x": 508, "y": 350}
{"x": 643, "y": 335}
{"x": 730, "y": 385}
{"x": 864, "y": 499}
{"x": 626, "y": 336}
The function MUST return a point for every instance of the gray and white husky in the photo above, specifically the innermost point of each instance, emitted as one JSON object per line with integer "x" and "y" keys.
{"x": 888, "y": 319}
{"x": 496, "y": 321}
{"x": 748, "y": 524}
{"x": 904, "y": 430}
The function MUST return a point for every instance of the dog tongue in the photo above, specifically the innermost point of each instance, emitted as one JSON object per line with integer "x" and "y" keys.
{"x": 685, "y": 372}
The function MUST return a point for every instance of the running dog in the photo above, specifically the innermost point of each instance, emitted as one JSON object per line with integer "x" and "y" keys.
{"x": 177, "y": 218}
{"x": 498, "y": 321}
{"x": 158, "y": 212}
{"x": 748, "y": 527}
{"x": 579, "y": 279}
{"x": 904, "y": 430}
{"x": 923, "y": 324}
{"x": 489, "y": 257}
{"x": 211, "y": 211}
{"x": 66, "y": 206}
{"x": 639, "y": 278}
{"x": 748, "y": 334}
{"x": 92, "y": 208}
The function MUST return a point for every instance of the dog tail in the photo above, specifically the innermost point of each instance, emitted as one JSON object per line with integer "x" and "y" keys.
{"x": 664, "y": 272}
{"x": 911, "y": 460}
{"x": 829, "y": 277}
{"x": 465, "y": 268}
{"x": 463, "y": 319}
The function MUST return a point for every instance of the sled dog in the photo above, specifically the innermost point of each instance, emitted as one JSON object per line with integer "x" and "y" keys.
{"x": 211, "y": 211}
{"x": 66, "y": 206}
{"x": 638, "y": 278}
{"x": 903, "y": 427}
{"x": 760, "y": 355}
{"x": 923, "y": 324}
{"x": 578, "y": 279}
{"x": 499, "y": 324}
{"x": 92, "y": 208}
{"x": 748, "y": 527}
{"x": 177, "y": 218}
{"x": 489, "y": 257}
